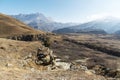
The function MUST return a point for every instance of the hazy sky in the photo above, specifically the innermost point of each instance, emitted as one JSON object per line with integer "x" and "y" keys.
{"x": 63, "y": 10}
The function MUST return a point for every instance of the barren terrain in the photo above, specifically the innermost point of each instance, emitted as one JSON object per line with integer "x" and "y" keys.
{"x": 17, "y": 63}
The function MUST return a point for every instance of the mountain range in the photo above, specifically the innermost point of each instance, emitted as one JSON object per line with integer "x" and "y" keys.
{"x": 108, "y": 25}
{"x": 41, "y": 22}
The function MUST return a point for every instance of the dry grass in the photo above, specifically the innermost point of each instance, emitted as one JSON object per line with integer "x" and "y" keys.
{"x": 22, "y": 74}
{"x": 15, "y": 65}
{"x": 105, "y": 42}
{"x": 10, "y": 26}
{"x": 15, "y": 52}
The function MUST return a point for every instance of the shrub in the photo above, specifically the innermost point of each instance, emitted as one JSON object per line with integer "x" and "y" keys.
{"x": 47, "y": 42}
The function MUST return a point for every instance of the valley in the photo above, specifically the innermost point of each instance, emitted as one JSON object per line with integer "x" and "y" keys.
{"x": 17, "y": 61}
{"x": 30, "y": 54}
{"x": 60, "y": 40}
{"x": 17, "y": 57}
{"x": 41, "y": 22}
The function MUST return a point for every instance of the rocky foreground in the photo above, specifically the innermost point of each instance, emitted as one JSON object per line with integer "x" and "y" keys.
{"x": 65, "y": 59}
{"x": 17, "y": 62}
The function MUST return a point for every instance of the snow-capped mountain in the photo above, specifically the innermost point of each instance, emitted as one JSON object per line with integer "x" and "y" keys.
{"x": 109, "y": 25}
{"x": 41, "y": 22}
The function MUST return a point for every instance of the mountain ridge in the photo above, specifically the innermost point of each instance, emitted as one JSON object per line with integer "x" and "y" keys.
{"x": 41, "y": 22}
{"x": 108, "y": 25}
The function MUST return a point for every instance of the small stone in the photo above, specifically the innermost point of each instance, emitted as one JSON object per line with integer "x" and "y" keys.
{"x": 89, "y": 72}
{"x": 9, "y": 65}
{"x": 83, "y": 67}
{"x": 63, "y": 65}
{"x": 32, "y": 69}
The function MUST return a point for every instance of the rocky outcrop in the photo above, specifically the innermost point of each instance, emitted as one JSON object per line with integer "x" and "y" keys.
{"x": 45, "y": 57}
{"x": 32, "y": 37}
{"x": 44, "y": 38}
{"x": 102, "y": 70}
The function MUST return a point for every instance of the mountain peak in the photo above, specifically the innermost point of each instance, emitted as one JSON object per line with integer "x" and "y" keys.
{"x": 108, "y": 24}
{"x": 41, "y": 22}
{"x": 28, "y": 18}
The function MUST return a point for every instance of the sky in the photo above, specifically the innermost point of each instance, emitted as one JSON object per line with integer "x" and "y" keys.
{"x": 63, "y": 10}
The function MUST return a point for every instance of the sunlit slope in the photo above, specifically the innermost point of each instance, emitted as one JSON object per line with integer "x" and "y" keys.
{"x": 10, "y": 26}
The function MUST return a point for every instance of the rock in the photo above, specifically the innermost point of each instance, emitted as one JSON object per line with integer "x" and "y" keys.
{"x": 112, "y": 73}
{"x": 82, "y": 60}
{"x": 57, "y": 60}
{"x": 83, "y": 68}
{"x": 45, "y": 57}
{"x": 62, "y": 65}
{"x": 9, "y": 65}
{"x": 90, "y": 72}
{"x": 28, "y": 56}
{"x": 102, "y": 70}
{"x": 76, "y": 66}
{"x": 32, "y": 69}
{"x": 2, "y": 48}
{"x": 29, "y": 37}
{"x": 118, "y": 74}
{"x": 23, "y": 63}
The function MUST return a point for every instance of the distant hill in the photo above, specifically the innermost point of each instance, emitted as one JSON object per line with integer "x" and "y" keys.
{"x": 41, "y": 22}
{"x": 68, "y": 30}
{"x": 10, "y": 26}
{"x": 117, "y": 32}
{"x": 107, "y": 25}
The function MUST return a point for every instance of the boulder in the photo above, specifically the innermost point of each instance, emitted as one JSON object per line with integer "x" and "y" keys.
{"x": 9, "y": 65}
{"x": 62, "y": 65}
{"x": 102, "y": 70}
{"x": 45, "y": 57}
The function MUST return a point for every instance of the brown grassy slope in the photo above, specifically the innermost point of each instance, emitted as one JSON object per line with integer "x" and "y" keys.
{"x": 103, "y": 42}
{"x": 10, "y": 26}
{"x": 17, "y": 53}
{"x": 16, "y": 64}
{"x": 69, "y": 51}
